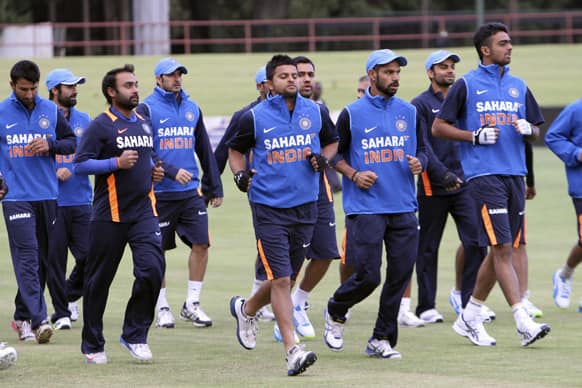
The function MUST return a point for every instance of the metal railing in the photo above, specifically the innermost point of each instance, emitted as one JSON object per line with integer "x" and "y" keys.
{"x": 317, "y": 34}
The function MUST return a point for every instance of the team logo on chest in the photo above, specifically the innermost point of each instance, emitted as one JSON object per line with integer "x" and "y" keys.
{"x": 304, "y": 123}
{"x": 189, "y": 116}
{"x": 44, "y": 122}
{"x": 401, "y": 124}
{"x": 513, "y": 92}
{"x": 78, "y": 131}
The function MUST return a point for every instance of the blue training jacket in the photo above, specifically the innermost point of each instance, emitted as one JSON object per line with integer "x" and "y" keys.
{"x": 180, "y": 135}
{"x": 77, "y": 190}
{"x": 564, "y": 137}
{"x": 32, "y": 177}
{"x": 495, "y": 99}
{"x": 381, "y": 133}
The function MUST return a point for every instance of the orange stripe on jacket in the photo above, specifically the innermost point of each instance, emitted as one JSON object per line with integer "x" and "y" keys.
{"x": 113, "y": 203}
{"x": 580, "y": 230}
{"x": 344, "y": 244}
{"x": 488, "y": 225}
{"x": 327, "y": 187}
{"x": 264, "y": 260}
{"x": 426, "y": 184}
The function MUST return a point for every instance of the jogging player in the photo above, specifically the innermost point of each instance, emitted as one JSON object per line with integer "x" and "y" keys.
{"x": 117, "y": 147}
{"x": 180, "y": 136}
{"x": 291, "y": 141}
{"x": 492, "y": 113}
{"x": 34, "y": 131}
{"x": 74, "y": 206}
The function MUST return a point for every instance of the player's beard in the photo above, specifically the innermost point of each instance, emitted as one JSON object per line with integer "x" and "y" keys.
{"x": 128, "y": 103}
{"x": 67, "y": 102}
{"x": 388, "y": 90}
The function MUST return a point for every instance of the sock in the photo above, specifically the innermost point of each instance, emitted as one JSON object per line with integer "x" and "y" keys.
{"x": 404, "y": 305}
{"x": 256, "y": 285}
{"x": 162, "y": 301}
{"x": 194, "y": 290}
{"x": 566, "y": 272}
{"x": 299, "y": 297}
{"x": 473, "y": 309}
{"x": 519, "y": 313}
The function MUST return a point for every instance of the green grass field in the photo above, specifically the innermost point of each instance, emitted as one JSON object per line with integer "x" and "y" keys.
{"x": 435, "y": 355}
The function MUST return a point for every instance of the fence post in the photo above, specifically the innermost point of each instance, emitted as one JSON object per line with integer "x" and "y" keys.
{"x": 311, "y": 28}
{"x": 248, "y": 37}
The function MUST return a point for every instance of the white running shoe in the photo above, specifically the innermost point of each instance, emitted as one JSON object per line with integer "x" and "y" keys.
{"x": 265, "y": 315}
{"x": 408, "y": 319}
{"x": 333, "y": 334}
{"x": 530, "y": 332}
{"x": 193, "y": 312}
{"x": 487, "y": 314}
{"x": 63, "y": 323}
{"x": 165, "y": 318}
{"x": 562, "y": 289}
{"x": 23, "y": 329}
{"x": 98, "y": 358}
{"x": 381, "y": 349}
{"x": 140, "y": 352}
{"x": 8, "y": 356}
{"x": 246, "y": 327}
{"x": 531, "y": 308}
{"x": 298, "y": 360}
{"x": 279, "y": 338}
{"x": 74, "y": 310}
{"x": 474, "y": 331}
{"x": 431, "y": 316}
{"x": 43, "y": 333}
{"x": 455, "y": 301}
{"x": 302, "y": 323}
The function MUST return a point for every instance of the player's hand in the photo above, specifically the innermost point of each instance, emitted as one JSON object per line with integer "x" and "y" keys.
{"x": 63, "y": 174}
{"x": 127, "y": 159}
{"x": 37, "y": 146}
{"x": 183, "y": 176}
{"x": 485, "y": 135}
{"x": 414, "y": 164}
{"x": 243, "y": 179}
{"x": 523, "y": 127}
{"x": 364, "y": 179}
{"x": 451, "y": 181}
{"x": 530, "y": 192}
{"x": 158, "y": 172}
{"x": 318, "y": 162}
{"x": 216, "y": 202}
{"x": 3, "y": 188}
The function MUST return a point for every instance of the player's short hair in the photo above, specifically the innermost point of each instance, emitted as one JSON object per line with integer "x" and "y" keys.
{"x": 484, "y": 33}
{"x": 303, "y": 59}
{"x": 364, "y": 78}
{"x": 111, "y": 77}
{"x": 27, "y": 70}
{"x": 51, "y": 94}
{"x": 276, "y": 61}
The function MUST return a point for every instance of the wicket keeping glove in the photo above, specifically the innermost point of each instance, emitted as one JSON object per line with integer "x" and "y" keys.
{"x": 242, "y": 180}
{"x": 523, "y": 127}
{"x": 485, "y": 135}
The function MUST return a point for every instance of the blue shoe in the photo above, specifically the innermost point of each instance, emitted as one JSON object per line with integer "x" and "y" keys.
{"x": 455, "y": 301}
{"x": 279, "y": 338}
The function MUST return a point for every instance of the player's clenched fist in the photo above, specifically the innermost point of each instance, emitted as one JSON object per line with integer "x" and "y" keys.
{"x": 414, "y": 164}
{"x": 485, "y": 135}
{"x": 243, "y": 179}
{"x": 127, "y": 159}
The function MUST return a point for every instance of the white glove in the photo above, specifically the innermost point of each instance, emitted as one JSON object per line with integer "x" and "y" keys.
{"x": 485, "y": 136}
{"x": 523, "y": 127}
